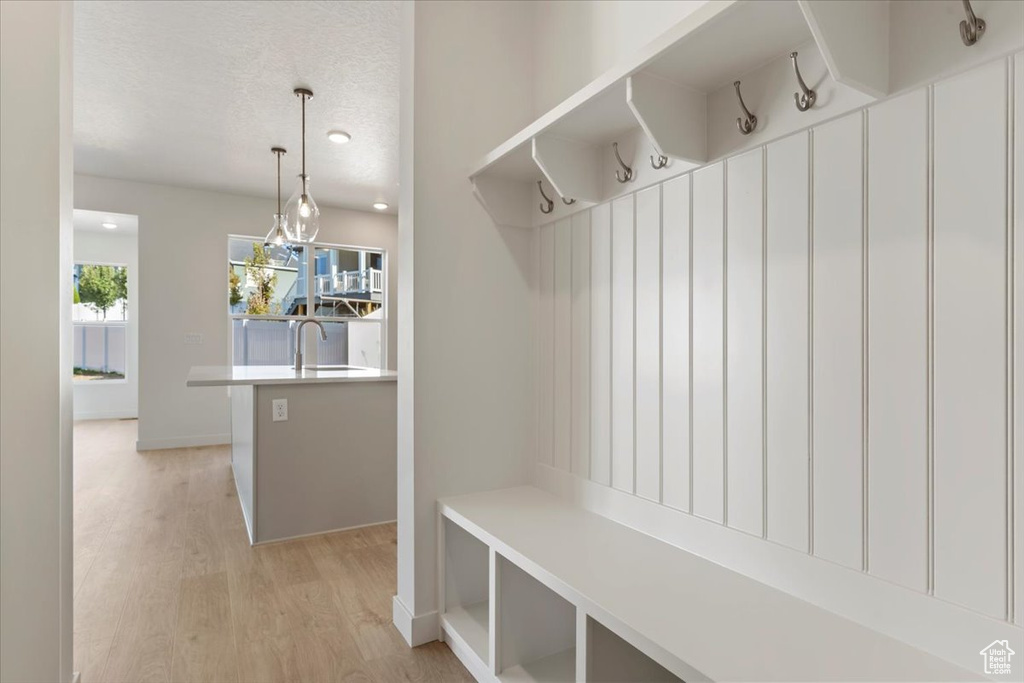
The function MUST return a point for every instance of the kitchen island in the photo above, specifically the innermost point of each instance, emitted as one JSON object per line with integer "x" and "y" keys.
{"x": 330, "y": 464}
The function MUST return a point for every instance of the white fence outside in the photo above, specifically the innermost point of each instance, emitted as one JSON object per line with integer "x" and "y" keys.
{"x": 272, "y": 342}
{"x": 101, "y": 346}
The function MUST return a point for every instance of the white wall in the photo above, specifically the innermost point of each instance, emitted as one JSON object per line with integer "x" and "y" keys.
{"x": 575, "y": 42}
{"x": 465, "y": 390}
{"x": 35, "y": 352}
{"x": 109, "y": 399}
{"x": 809, "y": 367}
{"x": 182, "y": 289}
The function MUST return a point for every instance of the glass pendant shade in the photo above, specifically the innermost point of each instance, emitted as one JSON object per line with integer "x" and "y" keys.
{"x": 277, "y": 237}
{"x": 302, "y": 216}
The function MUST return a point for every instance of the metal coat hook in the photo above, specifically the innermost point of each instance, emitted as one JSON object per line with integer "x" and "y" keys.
{"x": 660, "y": 162}
{"x": 749, "y": 123}
{"x": 972, "y": 28}
{"x": 806, "y": 97}
{"x": 548, "y": 202}
{"x": 627, "y": 172}
{"x": 568, "y": 202}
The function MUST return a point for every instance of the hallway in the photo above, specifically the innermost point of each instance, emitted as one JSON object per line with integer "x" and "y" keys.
{"x": 167, "y": 588}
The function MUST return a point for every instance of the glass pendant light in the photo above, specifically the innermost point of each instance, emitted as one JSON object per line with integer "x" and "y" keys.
{"x": 302, "y": 217}
{"x": 276, "y": 236}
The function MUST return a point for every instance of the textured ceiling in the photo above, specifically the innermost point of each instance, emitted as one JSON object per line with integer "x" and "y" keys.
{"x": 196, "y": 94}
{"x": 92, "y": 221}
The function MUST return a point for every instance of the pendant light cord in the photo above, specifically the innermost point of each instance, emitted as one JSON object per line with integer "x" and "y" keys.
{"x": 303, "y": 135}
{"x": 278, "y": 182}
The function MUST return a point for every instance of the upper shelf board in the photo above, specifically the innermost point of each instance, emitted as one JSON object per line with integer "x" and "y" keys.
{"x": 728, "y": 45}
{"x": 600, "y": 107}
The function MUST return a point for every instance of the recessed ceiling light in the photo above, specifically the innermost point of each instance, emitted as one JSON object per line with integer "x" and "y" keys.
{"x": 109, "y": 226}
{"x": 339, "y": 136}
{"x": 380, "y": 206}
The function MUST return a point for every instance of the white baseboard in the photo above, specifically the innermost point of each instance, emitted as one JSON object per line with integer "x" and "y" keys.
{"x": 943, "y": 629}
{"x": 182, "y": 442}
{"x": 105, "y": 415}
{"x": 416, "y": 630}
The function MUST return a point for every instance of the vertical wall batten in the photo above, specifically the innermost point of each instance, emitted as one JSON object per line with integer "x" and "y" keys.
{"x": 708, "y": 357}
{"x": 864, "y": 347}
{"x": 1017, "y": 290}
{"x": 744, "y": 336}
{"x": 788, "y": 335}
{"x": 623, "y": 316}
{"x": 562, "y": 362}
{"x": 897, "y": 341}
{"x": 689, "y": 329}
{"x": 837, "y": 379}
{"x": 648, "y": 343}
{"x": 970, "y": 337}
{"x": 764, "y": 342}
{"x": 545, "y": 379}
{"x": 675, "y": 353}
{"x": 580, "y": 347}
{"x": 600, "y": 344}
{"x": 725, "y": 342}
{"x": 1010, "y": 359}
{"x": 930, "y": 255}
{"x": 810, "y": 341}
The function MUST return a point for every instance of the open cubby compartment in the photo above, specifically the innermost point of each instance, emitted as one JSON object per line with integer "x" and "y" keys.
{"x": 536, "y": 629}
{"x": 673, "y": 106}
{"x": 466, "y": 583}
{"x": 611, "y": 659}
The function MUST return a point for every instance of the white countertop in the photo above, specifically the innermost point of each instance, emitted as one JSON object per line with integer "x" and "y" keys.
{"x": 227, "y": 375}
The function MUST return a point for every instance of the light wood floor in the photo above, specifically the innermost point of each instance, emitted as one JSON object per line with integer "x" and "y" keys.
{"x": 167, "y": 588}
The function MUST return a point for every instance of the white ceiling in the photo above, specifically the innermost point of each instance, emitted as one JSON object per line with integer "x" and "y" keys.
{"x": 196, "y": 94}
{"x": 92, "y": 221}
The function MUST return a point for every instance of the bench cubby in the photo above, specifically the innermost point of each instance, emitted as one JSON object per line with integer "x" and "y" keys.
{"x": 466, "y": 613}
{"x": 610, "y": 659}
{"x": 536, "y": 629}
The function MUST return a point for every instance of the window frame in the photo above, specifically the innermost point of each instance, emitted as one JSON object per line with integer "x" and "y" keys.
{"x": 309, "y": 341}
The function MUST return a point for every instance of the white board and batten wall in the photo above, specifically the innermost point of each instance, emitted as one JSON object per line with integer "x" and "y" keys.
{"x": 804, "y": 361}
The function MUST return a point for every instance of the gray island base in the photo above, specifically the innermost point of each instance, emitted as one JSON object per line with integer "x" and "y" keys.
{"x": 331, "y": 465}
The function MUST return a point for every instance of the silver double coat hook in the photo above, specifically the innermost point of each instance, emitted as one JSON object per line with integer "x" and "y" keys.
{"x": 748, "y": 123}
{"x": 548, "y": 205}
{"x": 627, "y": 172}
{"x": 806, "y": 97}
{"x": 972, "y": 28}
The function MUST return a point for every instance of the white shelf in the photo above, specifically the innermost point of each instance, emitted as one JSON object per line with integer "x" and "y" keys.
{"x": 678, "y": 91}
{"x": 557, "y": 668}
{"x": 693, "y": 628}
{"x": 469, "y": 623}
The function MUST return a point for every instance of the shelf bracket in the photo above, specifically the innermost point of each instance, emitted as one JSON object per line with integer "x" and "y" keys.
{"x": 853, "y": 38}
{"x": 570, "y": 166}
{"x": 673, "y": 117}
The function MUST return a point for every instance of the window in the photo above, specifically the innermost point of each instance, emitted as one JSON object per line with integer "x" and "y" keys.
{"x": 99, "y": 321}
{"x": 272, "y": 289}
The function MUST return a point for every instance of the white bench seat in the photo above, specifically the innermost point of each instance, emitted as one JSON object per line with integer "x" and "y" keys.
{"x": 697, "y": 619}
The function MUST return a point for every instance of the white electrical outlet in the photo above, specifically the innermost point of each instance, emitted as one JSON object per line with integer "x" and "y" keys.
{"x": 280, "y": 409}
{"x": 193, "y": 338}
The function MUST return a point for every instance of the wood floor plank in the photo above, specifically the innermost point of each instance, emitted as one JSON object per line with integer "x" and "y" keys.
{"x": 142, "y": 646}
{"x": 204, "y": 639}
{"x": 169, "y": 589}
